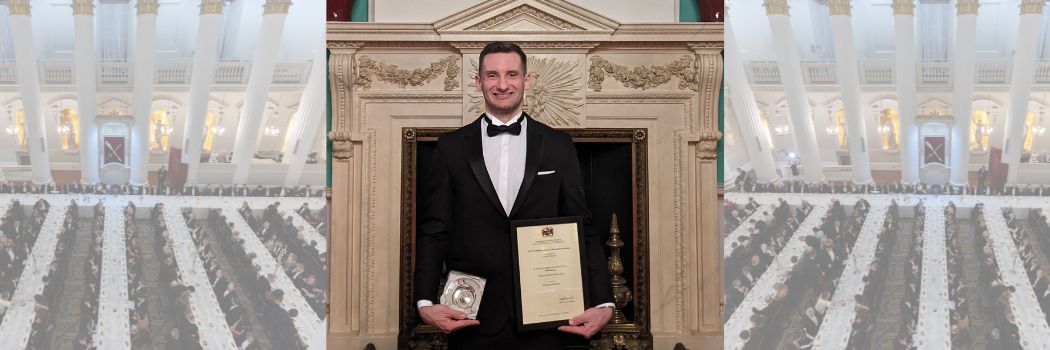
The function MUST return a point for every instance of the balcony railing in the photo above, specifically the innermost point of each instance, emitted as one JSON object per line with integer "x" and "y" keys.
{"x": 164, "y": 73}
{"x": 933, "y": 73}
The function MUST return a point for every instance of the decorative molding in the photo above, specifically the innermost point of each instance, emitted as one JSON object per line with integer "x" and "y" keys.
{"x": 342, "y": 149}
{"x": 525, "y": 10}
{"x": 276, "y": 7}
{"x": 212, "y": 7}
{"x": 147, "y": 7}
{"x": 366, "y": 69}
{"x": 18, "y": 7}
{"x": 83, "y": 7}
{"x": 1033, "y": 7}
{"x": 643, "y": 77}
{"x": 967, "y": 7}
{"x": 904, "y": 7}
{"x": 555, "y": 96}
{"x": 340, "y": 67}
{"x": 530, "y": 44}
{"x": 336, "y": 45}
{"x": 776, "y": 7}
{"x": 839, "y": 7}
{"x": 708, "y": 70}
{"x": 707, "y": 148}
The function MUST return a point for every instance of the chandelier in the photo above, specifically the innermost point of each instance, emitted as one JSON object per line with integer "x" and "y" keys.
{"x": 1039, "y": 130}
{"x": 831, "y": 130}
{"x": 64, "y": 129}
{"x": 271, "y": 131}
{"x": 884, "y": 129}
{"x": 781, "y": 130}
{"x": 11, "y": 129}
{"x": 165, "y": 129}
{"x": 218, "y": 130}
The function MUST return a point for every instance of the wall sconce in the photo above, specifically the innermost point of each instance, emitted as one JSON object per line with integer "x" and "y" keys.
{"x": 781, "y": 130}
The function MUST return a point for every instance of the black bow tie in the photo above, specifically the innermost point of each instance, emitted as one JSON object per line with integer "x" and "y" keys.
{"x": 513, "y": 129}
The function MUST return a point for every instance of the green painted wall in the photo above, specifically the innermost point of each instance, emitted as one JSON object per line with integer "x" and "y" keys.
{"x": 359, "y": 13}
{"x": 688, "y": 11}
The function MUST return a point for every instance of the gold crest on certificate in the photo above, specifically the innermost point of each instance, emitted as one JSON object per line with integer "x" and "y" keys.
{"x": 463, "y": 293}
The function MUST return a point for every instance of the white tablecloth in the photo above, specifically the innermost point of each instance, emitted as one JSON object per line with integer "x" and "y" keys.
{"x": 307, "y": 322}
{"x": 1031, "y": 322}
{"x": 113, "y": 331}
{"x": 209, "y": 318}
{"x": 742, "y": 229}
{"x": 309, "y": 232}
{"x": 775, "y": 273}
{"x": 17, "y": 324}
{"x": 835, "y": 328}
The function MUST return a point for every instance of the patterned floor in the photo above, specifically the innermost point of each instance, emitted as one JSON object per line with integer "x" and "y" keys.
{"x": 889, "y": 309}
{"x": 67, "y": 323}
{"x": 243, "y": 298}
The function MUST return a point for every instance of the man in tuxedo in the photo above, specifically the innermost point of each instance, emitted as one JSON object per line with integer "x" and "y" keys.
{"x": 504, "y": 166}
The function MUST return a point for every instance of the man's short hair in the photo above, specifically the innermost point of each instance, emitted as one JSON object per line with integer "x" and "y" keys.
{"x": 503, "y": 46}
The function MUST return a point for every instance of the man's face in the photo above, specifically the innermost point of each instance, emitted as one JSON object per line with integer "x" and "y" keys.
{"x": 502, "y": 80}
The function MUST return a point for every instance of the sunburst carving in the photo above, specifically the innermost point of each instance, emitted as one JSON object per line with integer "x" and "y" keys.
{"x": 553, "y": 97}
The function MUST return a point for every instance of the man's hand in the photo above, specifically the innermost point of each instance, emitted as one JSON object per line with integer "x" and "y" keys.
{"x": 445, "y": 319}
{"x": 589, "y": 322}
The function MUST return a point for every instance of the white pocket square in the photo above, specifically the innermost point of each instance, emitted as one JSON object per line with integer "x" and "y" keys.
{"x": 548, "y": 172}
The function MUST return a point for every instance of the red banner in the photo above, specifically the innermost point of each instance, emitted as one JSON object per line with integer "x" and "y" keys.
{"x": 113, "y": 150}
{"x": 934, "y": 150}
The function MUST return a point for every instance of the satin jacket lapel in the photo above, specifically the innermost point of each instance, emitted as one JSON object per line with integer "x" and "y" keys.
{"x": 533, "y": 154}
{"x": 477, "y": 164}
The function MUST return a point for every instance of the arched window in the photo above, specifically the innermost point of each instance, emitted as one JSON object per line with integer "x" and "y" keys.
{"x": 980, "y": 129}
{"x": 159, "y": 129}
{"x": 840, "y": 127}
{"x": 209, "y": 131}
{"x": 20, "y": 124}
{"x": 889, "y": 129}
{"x": 1029, "y": 135}
{"x": 69, "y": 129}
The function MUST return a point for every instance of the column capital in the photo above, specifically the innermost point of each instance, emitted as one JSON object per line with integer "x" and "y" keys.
{"x": 839, "y": 7}
{"x": 212, "y": 6}
{"x": 276, "y": 6}
{"x": 967, "y": 7}
{"x": 147, "y": 7}
{"x": 903, "y": 7}
{"x": 1032, "y": 7}
{"x": 83, "y": 7}
{"x": 776, "y": 7}
{"x": 18, "y": 7}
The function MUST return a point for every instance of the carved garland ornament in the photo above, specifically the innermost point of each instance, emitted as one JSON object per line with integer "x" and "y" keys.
{"x": 368, "y": 69}
{"x": 707, "y": 149}
{"x": 643, "y": 77}
{"x": 342, "y": 149}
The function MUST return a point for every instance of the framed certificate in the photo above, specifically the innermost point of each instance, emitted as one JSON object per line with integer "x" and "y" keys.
{"x": 550, "y": 281}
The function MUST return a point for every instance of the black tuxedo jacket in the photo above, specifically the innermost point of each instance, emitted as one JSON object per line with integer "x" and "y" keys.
{"x": 464, "y": 226}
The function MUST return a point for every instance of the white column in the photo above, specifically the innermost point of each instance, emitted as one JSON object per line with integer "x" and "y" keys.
{"x": 904, "y": 37}
{"x": 745, "y": 109}
{"x": 301, "y": 135}
{"x": 29, "y": 80}
{"x": 200, "y": 84}
{"x": 142, "y": 96}
{"x": 84, "y": 68}
{"x": 794, "y": 89}
{"x": 849, "y": 83}
{"x": 265, "y": 56}
{"x": 1021, "y": 85}
{"x": 965, "y": 53}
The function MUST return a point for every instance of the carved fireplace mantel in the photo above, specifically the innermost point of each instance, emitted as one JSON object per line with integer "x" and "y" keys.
{"x": 589, "y": 72}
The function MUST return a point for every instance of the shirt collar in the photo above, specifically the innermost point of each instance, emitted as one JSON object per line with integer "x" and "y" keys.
{"x": 496, "y": 121}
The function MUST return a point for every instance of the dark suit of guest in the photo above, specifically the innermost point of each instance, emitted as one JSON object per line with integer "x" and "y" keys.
{"x": 465, "y": 225}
